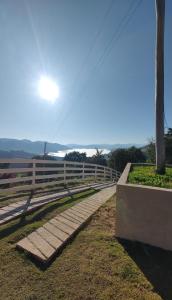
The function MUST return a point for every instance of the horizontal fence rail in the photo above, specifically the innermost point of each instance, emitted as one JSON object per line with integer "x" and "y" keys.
{"x": 30, "y": 174}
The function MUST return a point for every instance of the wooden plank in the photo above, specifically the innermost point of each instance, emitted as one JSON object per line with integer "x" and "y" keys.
{"x": 7, "y": 208}
{"x": 87, "y": 207}
{"x": 67, "y": 229}
{"x": 27, "y": 245}
{"x": 50, "y": 226}
{"x": 15, "y": 170}
{"x": 71, "y": 218}
{"x": 1, "y": 211}
{"x": 73, "y": 174}
{"x": 71, "y": 214}
{"x": 15, "y": 180}
{"x": 49, "y": 162}
{"x": 84, "y": 210}
{"x": 77, "y": 209}
{"x": 18, "y": 204}
{"x": 16, "y": 161}
{"x": 49, "y": 237}
{"x": 67, "y": 222}
{"x": 51, "y": 176}
{"x": 16, "y": 189}
{"x": 48, "y": 169}
{"x": 76, "y": 213}
{"x": 42, "y": 245}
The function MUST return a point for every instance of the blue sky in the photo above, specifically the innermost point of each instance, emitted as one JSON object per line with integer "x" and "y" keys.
{"x": 105, "y": 97}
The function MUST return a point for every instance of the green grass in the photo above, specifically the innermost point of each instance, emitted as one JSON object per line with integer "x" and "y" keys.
{"x": 94, "y": 266}
{"x": 146, "y": 175}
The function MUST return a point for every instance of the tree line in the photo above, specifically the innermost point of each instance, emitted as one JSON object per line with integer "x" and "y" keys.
{"x": 117, "y": 159}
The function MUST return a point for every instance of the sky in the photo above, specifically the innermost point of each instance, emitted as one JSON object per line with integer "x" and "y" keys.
{"x": 100, "y": 53}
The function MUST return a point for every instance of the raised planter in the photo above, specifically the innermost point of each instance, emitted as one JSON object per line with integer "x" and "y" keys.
{"x": 144, "y": 213}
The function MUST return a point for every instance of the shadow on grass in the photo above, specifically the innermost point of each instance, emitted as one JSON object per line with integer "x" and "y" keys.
{"x": 155, "y": 263}
{"x": 39, "y": 215}
{"x": 24, "y": 195}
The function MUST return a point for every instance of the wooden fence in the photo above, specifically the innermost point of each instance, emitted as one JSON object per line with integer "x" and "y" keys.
{"x": 30, "y": 174}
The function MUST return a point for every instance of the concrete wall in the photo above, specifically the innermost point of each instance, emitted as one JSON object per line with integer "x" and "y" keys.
{"x": 144, "y": 213}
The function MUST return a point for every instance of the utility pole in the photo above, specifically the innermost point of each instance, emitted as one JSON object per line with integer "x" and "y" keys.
{"x": 45, "y": 149}
{"x": 159, "y": 90}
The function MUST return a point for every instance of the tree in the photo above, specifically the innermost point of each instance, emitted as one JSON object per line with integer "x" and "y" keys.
{"x": 168, "y": 146}
{"x": 150, "y": 152}
{"x": 76, "y": 156}
{"x": 98, "y": 158}
{"x": 120, "y": 157}
{"x": 136, "y": 155}
{"x": 159, "y": 97}
{"x": 150, "y": 148}
{"x": 169, "y": 132}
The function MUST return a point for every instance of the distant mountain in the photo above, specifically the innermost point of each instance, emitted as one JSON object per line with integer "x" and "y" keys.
{"x": 14, "y": 148}
{"x": 15, "y": 154}
{"x": 29, "y": 146}
{"x": 103, "y": 146}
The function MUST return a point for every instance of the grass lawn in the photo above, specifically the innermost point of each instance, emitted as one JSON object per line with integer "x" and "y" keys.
{"x": 94, "y": 266}
{"x": 146, "y": 175}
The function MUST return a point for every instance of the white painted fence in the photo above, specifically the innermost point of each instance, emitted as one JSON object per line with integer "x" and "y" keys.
{"x": 30, "y": 174}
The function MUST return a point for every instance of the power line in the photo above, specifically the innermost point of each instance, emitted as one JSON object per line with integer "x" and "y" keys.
{"x": 98, "y": 33}
{"x": 117, "y": 34}
{"x": 115, "y": 37}
{"x": 90, "y": 50}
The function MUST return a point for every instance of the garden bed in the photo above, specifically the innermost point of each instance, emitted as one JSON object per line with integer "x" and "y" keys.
{"x": 146, "y": 175}
{"x": 143, "y": 211}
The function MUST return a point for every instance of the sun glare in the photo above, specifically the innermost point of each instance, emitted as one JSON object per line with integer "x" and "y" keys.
{"x": 48, "y": 89}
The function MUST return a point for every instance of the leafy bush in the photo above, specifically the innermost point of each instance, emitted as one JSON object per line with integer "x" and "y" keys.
{"x": 75, "y": 156}
{"x": 150, "y": 148}
{"x": 120, "y": 157}
{"x": 97, "y": 158}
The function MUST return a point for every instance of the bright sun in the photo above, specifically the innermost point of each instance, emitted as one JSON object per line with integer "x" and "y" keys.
{"x": 48, "y": 89}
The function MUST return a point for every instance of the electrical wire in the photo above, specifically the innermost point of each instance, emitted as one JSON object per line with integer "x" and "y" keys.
{"x": 115, "y": 37}
{"x": 117, "y": 34}
{"x": 98, "y": 34}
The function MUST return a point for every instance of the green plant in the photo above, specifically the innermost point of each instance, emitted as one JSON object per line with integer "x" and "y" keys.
{"x": 146, "y": 175}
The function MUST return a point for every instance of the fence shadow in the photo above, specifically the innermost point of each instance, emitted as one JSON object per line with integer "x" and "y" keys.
{"x": 155, "y": 263}
{"x": 37, "y": 215}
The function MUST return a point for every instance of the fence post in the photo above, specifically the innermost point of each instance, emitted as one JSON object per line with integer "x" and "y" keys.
{"x": 64, "y": 172}
{"x": 116, "y": 175}
{"x": 83, "y": 170}
{"x": 104, "y": 173}
{"x": 33, "y": 172}
{"x": 96, "y": 173}
{"x": 111, "y": 174}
